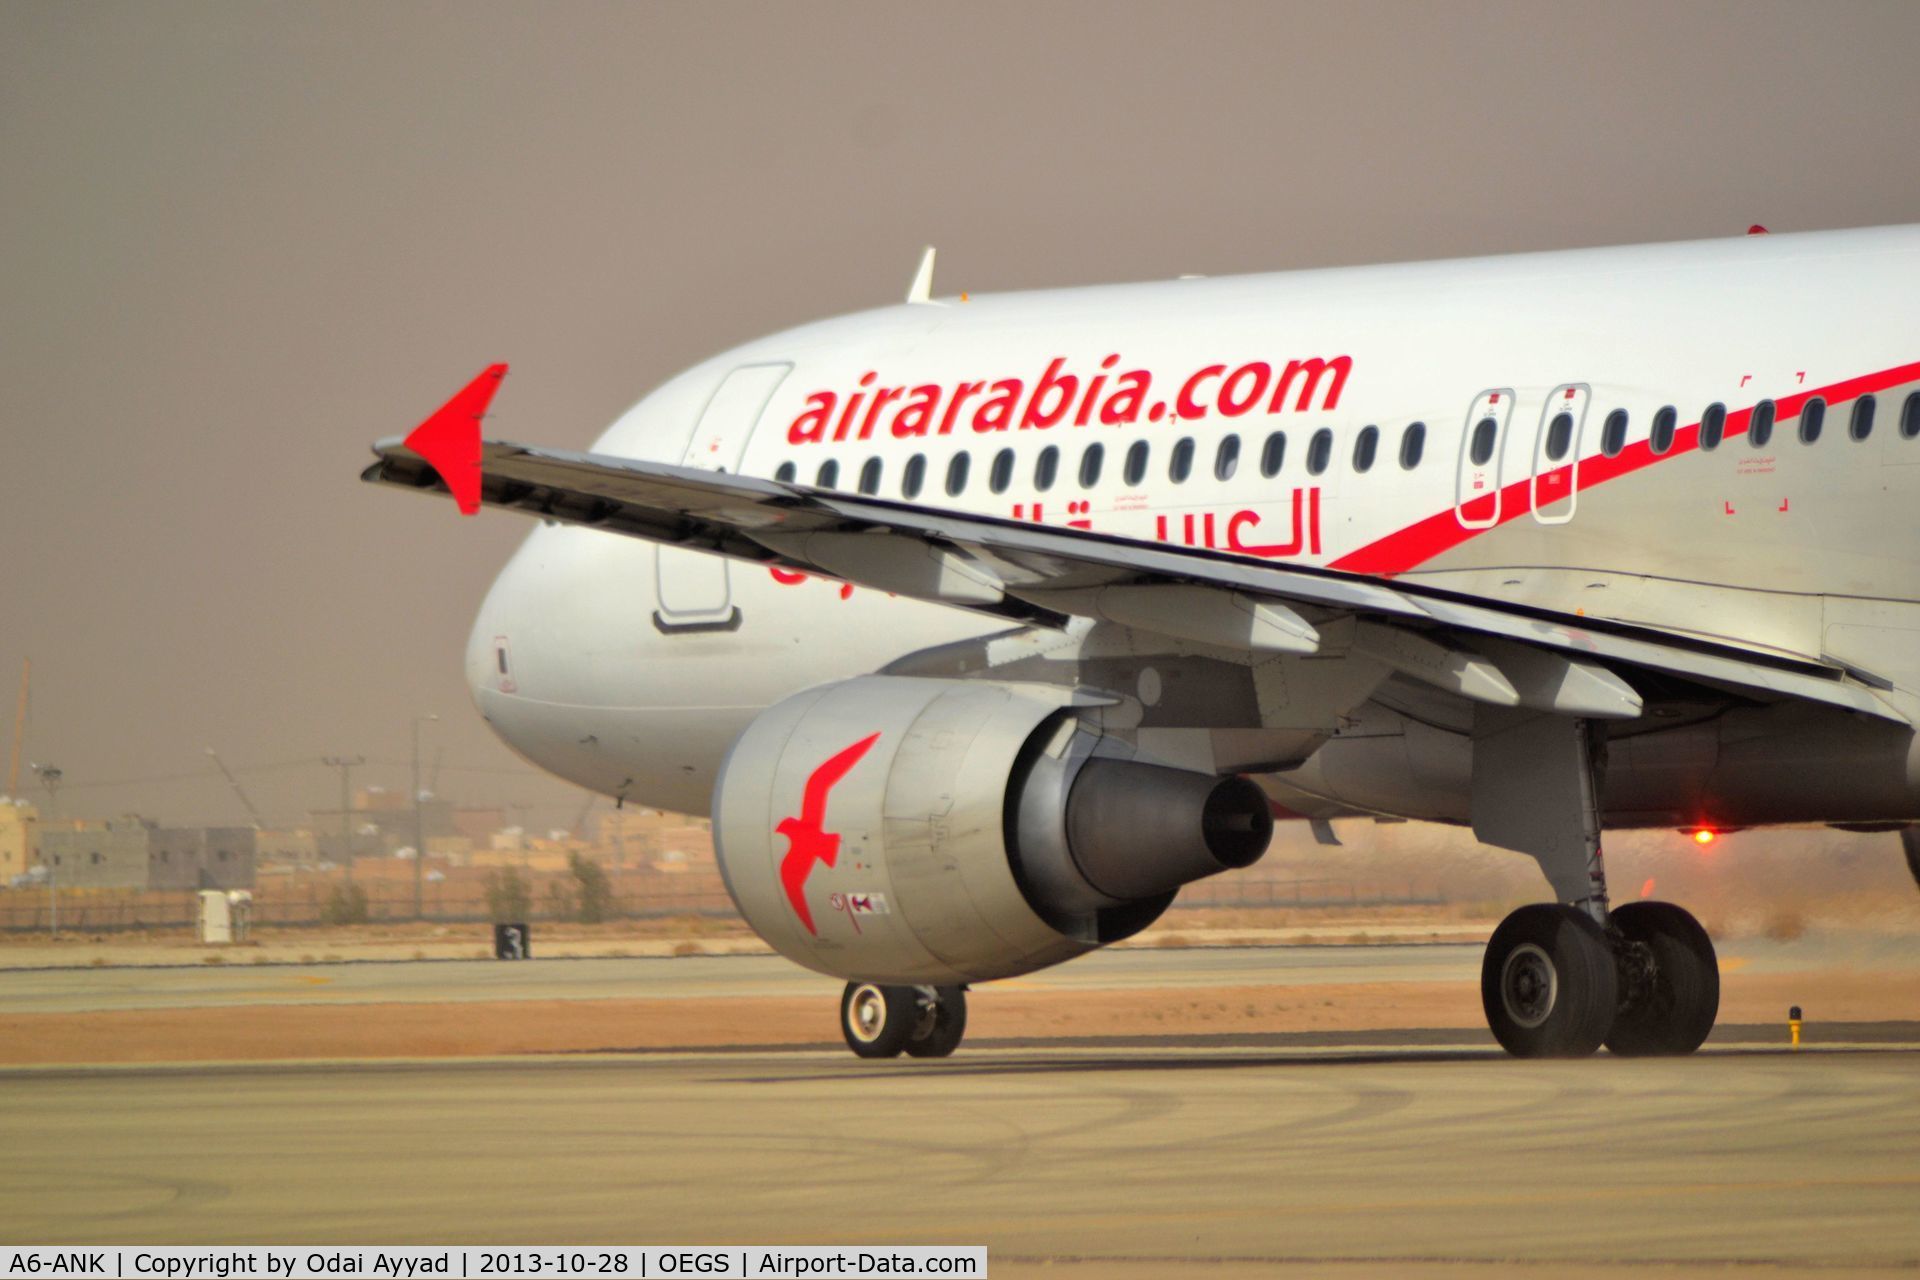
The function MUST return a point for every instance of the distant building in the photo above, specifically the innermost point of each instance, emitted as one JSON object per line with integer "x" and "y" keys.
{"x": 132, "y": 853}
{"x": 294, "y": 847}
{"x": 382, "y": 822}
{"x": 202, "y": 858}
{"x": 19, "y": 839}
{"x": 477, "y": 824}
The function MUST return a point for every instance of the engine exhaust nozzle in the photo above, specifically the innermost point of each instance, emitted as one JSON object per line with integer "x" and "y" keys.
{"x": 1139, "y": 830}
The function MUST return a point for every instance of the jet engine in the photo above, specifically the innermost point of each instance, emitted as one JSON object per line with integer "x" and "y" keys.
{"x": 902, "y": 830}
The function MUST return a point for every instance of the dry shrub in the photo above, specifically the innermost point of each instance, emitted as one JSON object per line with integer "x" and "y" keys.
{"x": 688, "y": 949}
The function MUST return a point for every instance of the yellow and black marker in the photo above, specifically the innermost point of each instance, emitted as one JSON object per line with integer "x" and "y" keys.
{"x": 1793, "y": 1025}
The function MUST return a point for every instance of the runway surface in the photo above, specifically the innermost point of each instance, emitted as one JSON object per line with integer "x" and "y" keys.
{"x": 1138, "y": 1162}
{"x": 688, "y": 977}
{"x": 706, "y": 977}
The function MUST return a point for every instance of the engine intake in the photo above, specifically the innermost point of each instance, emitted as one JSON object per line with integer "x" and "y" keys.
{"x": 905, "y": 830}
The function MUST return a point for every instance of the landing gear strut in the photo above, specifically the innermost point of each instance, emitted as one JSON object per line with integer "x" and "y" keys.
{"x": 1560, "y": 980}
{"x": 883, "y": 1021}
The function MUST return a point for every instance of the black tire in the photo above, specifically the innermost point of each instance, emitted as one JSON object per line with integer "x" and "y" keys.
{"x": 1548, "y": 983}
{"x": 942, "y": 1032}
{"x": 1910, "y": 845}
{"x": 1670, "y": 1008}
{"x": 877, "y": 1020}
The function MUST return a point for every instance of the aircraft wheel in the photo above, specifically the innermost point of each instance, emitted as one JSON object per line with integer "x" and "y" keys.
{"x": 941, "y": 1025}
{"x": 877, "y": 1020}
{"x": 1548, "y": 983}
{"x": 1671, "y": 988}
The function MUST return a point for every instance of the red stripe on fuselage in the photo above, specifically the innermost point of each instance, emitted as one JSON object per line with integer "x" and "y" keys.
{"x": 1409, "y": 548}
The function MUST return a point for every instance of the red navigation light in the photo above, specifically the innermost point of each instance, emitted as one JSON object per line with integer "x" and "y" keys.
{"x": 1705, "y": 836}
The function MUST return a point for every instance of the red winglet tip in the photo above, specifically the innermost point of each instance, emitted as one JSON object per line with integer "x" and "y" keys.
{"x": 450, "y": 439}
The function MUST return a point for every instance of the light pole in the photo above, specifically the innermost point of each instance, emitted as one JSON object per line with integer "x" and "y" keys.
{"x": 50, "y": 776}
{"x": 419, "y": 825}
{"x": 345, "y": 764}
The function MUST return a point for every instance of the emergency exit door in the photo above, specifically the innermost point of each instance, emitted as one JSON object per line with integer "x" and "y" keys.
{"x": 1476, "y": 497}
{"x": 693, "y": 589}
{"x": 1555, "y": 485}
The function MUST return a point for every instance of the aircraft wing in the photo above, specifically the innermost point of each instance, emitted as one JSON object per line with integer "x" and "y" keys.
{"x": 1498, "y": 653}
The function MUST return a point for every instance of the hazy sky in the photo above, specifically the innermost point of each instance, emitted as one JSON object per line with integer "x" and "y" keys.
{"x": 239, "y": 242}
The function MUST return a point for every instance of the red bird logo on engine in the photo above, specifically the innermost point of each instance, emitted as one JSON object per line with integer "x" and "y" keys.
{"x": 808, "y": 841}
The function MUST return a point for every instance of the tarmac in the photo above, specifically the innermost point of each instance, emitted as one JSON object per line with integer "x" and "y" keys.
{"x": 1142, "y": 1159}
{"x": 688, "y": 978}
{"x": 1343, "y": 1152}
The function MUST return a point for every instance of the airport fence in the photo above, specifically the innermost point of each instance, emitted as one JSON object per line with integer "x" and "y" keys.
{"x": 306, "y": 903}
{"x": 310, "y": 903}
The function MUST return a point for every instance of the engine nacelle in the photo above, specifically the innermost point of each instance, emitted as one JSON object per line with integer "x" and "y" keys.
{"x": 904, "y": 830}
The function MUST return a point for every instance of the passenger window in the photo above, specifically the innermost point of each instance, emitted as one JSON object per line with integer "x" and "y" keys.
{"x": 1365, "y": 445}
{"x": 1000, "y": 475}
{"x": 1090, "y": 465}
{"x": 1862, "y": 425}
{"x": 915, "y": 477}
{"x": 1713, "y": 425}
{"x": 1136, "y": 469}
{"x": 870, "y": 476}
{"x": 1812, "y": 418}
{"x": 1319, "y": 451}
{"x": 1045, "y": 468}
{"x": 1485, "y": 433}
{"x": 1226, "y": 459}
{"x": 1274, "y": 452}
{"x": 785, "y": 473}
{"x": 1661, "y": 438}
{"x": 1613, "y": 436}
{"x": 1910, "y": 417}
{"x": 957, "y": 474}
{"x": 1760, "y": 428}
{"x": 1559, "y": 436}
{"x": 828, "y": 475}
{"x": 1413, "y": 445}
{"x": 1180, "y": 465}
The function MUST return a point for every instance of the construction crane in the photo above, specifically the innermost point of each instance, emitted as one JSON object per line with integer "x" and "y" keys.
{"x": 19, "y": 729}
{"x": 258, "y": 821}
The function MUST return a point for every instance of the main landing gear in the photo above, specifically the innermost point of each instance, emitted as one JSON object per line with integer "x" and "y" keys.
{"x": 1560, "y": 980}
{"x": 881, "y": 1021}
{"x": 1557, "y": 984}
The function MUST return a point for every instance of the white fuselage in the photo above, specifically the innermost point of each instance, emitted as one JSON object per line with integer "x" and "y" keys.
{"x": 1272, "y": 416}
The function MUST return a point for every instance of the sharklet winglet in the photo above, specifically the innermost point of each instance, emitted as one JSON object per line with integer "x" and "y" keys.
{"x": 921, "y": 289}
{"x": 450, "y": 439}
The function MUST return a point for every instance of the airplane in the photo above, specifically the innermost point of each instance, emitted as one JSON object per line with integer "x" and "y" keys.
{"x": 983, "y": 624}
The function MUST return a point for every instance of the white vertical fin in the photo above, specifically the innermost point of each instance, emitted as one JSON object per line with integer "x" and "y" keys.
{"x": 921, "y": 290}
